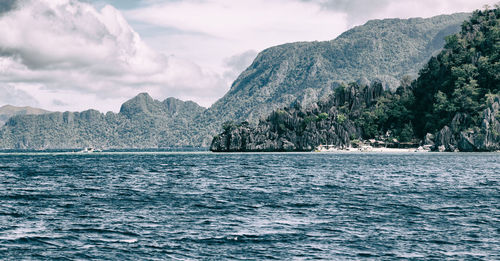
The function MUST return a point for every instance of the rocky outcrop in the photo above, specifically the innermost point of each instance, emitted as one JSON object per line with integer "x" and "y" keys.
{"x": 302, "y": 128}
{"x": 445, "y": 140}
{"x": 276, "y": 136}
{"x": 485, "y": 137}
{"x": 428, "y": 140}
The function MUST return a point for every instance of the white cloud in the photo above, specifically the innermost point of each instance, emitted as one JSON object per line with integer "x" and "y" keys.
{"x": 68, "y": 51}
{"x": 17, "y": 97}
{"x": 71, "y": 56}
{"x": 213, "y": 30}
{"x": 428, "y": 8}
{"x": 233, "y": 20}
{"x": 360, "y": 11}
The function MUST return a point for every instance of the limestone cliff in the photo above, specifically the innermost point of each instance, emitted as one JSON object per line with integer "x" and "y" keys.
{"x": 302, "y": 128}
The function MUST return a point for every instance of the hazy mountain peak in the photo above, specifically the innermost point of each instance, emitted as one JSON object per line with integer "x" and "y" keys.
{"x": 8, "y": 111}
{"x": 142, "y": 103}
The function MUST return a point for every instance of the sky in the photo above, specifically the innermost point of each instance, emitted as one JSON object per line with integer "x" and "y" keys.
{"x": 78, "y": 54}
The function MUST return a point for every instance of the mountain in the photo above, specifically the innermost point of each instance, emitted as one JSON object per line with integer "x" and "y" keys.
{"x": 456, "y": 97}
{"x": 8, "y": 111}
{"x": 141, "y": 123}
{"x": 380, "y": 49}
{"x": 383, "y": 50}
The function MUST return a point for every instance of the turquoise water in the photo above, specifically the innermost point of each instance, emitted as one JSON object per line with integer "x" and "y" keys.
{"x": 192, "y": 206}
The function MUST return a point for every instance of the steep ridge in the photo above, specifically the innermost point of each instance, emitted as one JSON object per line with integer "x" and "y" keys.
{"x": 333, "y": 121}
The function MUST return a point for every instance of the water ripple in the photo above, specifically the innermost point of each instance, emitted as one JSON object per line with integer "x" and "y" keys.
{"x": 250, "y": 206}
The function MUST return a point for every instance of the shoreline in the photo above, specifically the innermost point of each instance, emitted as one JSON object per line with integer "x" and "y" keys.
{"x": 377, "y": 150}
{"x": 148, "y": 152}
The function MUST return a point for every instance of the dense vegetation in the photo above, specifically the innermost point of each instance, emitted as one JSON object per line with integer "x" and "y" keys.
{"x": 464, "y": 78}
{"x": 387, "y": 116}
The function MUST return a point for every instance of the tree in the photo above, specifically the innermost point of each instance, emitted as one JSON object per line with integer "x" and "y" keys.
{"x": 228, "y": 125}
{"x": 465, "y": 97}
{"x": 406, "y": 133}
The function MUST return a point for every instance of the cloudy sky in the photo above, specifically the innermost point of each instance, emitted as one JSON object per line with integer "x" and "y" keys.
{"x": 79, "y": 54}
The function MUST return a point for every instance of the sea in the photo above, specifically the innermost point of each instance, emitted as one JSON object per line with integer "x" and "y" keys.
{"x": 258, "y": 206}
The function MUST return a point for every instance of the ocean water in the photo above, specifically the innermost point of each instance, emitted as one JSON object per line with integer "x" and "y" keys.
{"x": 204, "y": 206}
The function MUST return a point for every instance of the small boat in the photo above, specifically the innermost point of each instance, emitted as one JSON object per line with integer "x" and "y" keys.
{"x": 326, "y": 148}
{"x": 89, "y": 150}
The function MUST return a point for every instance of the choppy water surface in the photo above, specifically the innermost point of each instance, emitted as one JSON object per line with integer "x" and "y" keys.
{"x": 250, "y": 206}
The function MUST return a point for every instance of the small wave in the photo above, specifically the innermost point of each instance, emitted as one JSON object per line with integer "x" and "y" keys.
{"x": 440, "y": 242}
{"x": 36, "y": 240}
{"x": 12, "y": 214}
{"x": 248, "y": 238}
{"x": 129, "y": 241}
{"x": 363, "y": 254}
{"x": 103, "y": 231}
{"x": 303, "y": 205}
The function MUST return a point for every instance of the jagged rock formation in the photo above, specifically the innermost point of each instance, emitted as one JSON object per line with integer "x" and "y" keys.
{"x": 141, "y": 123}
{"x": 303, "y": 128}
{"x": 485, "y": 137}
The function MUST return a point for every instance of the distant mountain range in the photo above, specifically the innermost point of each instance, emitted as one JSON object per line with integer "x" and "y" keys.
{"x": 381, "y": 49}
{"x": 141, "y": 123}
{"x": 8, "y": 111}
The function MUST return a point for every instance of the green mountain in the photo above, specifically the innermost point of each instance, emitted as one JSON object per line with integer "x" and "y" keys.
{"x": 456, "y": 96}
{"x": 141, "y": 123}
{"x": 8, "y": 111}
{"x": 382, "y": 50}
